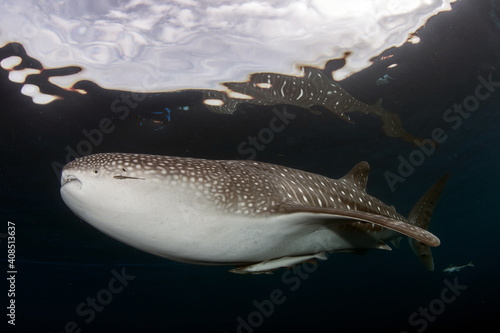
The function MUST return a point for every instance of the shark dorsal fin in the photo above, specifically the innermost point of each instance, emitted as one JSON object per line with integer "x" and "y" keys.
{"x": 358, "y": 175}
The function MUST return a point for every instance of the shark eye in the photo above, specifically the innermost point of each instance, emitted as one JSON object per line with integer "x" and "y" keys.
{"x": 95, "y": 172}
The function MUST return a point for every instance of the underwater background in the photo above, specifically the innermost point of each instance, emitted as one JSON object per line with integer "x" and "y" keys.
{"x": 447, "y": 86}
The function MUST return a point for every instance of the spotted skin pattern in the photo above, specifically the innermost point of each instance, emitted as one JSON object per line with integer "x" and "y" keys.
{"x": 254, "y": 188}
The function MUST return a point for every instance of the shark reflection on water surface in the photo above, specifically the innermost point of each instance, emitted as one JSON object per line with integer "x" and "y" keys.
{"x": 312, "y": 90}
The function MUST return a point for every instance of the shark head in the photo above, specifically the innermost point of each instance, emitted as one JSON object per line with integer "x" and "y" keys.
{"x": 113, "y": 192}
{"x": 94, "y": 182}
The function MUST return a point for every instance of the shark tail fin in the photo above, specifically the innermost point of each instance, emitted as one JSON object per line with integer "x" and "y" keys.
{"x": 420, "y": 216}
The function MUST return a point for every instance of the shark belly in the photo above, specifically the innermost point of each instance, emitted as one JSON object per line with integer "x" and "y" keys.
{"x": 186, "y": 227}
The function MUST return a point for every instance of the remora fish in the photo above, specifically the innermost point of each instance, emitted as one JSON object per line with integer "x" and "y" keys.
{"x": 452, "y": 269}
{"x": 255, "y": 215}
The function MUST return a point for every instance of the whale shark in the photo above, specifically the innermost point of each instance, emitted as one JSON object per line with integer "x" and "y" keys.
{"x": 256, "y": 216}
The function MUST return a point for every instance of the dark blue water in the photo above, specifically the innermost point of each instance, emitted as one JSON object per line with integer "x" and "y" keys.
{"x": 63, "y": 263}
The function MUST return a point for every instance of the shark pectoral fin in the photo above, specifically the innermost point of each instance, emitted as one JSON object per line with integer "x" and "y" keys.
{"x": 266, "y": 267}
{"x": 404, "y": 228}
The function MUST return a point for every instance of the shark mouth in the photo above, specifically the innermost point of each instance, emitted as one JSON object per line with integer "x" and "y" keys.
{"x": 67, "y": 179}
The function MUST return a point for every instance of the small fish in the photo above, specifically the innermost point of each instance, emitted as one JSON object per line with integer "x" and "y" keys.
{"x": 156, "y": 118}
{"x": 452, "y": 269}
{"x": 168, "y": 113}
{"x": 384, "y": 80}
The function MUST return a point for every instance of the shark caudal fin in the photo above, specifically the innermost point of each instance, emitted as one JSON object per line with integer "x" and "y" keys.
{"x": 420, "y": 216}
